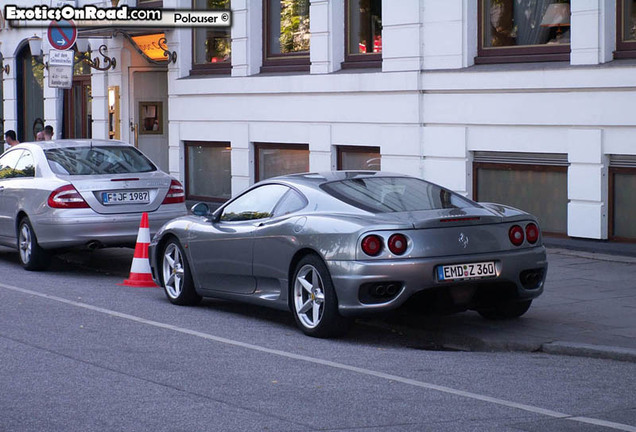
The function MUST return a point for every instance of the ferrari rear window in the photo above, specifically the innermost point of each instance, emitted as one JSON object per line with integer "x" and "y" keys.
{"x": 97, "y": 160}
{"x": 394, "y": 194}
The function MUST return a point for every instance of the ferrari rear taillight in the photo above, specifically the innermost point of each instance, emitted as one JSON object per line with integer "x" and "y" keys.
{"x": 66, "y": 197}
{"x": 175, "y": 194}
{"x": 516, "y": 235}
{"x": 372, "y": 245}
{"x": 532, "y": 233}
{"x": 398, "y": 244}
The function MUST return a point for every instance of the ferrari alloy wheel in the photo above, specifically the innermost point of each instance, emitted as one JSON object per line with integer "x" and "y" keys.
{"x": 175, "y": 276}
{"x": 309, "y": 296}
{"x": 314, "y": 300}
{"x": 32, "y": 256}
{"x": 506, "y": 310}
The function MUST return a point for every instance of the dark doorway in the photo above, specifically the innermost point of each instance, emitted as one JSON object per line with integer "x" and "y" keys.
{"x": 78, "y": 117}
{"x": 30, "y": 85}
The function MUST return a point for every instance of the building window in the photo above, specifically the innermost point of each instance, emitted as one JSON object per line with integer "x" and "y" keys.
{"x": 278, "y": 159}
{"x": 359, "y": 158}
{"x": 523, "y": 31}
{"x": 363, "y": 21}
{"x": 622, "y": 206}
{"x": 537, "y": 188}
{"x": 207, "y": 172}
{"x": 286, "y": 35}
{"x": 625, "y": 29}
{"x": 1, "y": 103}
{"x": 149, "y": 4}
{"x": 212, "y": 46}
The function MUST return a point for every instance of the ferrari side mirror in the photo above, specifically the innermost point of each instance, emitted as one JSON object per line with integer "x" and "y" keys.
{"x": 200, "y": 209}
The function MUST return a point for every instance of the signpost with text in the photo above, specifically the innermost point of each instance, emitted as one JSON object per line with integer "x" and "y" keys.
{"x": 61, "y": 69}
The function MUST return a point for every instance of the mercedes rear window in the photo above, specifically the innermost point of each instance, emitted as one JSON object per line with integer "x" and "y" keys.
{"x": 98, "y": 160}
{"x": 394, "y": 194}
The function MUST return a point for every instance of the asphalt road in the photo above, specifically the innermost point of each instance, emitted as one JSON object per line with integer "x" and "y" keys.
{"x": 80, "y": 353}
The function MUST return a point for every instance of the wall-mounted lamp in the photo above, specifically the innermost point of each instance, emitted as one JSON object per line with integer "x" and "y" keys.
{"x": 83, "y": 47}
{"x": 35, "y": 45}
{"x": 171, "y": 55}
{"x": 5, "y": 69}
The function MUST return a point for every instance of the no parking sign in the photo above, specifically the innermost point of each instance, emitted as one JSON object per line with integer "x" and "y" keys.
{"x": 62, "y": 34}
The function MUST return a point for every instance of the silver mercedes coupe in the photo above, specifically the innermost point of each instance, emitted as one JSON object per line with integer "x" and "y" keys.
{"x": 332, "y": 246}
{"x": 80, "y": 193}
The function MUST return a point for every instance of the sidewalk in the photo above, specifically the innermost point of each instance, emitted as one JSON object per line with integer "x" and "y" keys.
{"x": 588, "y": 308}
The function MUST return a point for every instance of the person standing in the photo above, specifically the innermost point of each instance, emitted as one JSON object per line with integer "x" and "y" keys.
{"x": 48, "y": 133}
{"x": 10, "y": 139}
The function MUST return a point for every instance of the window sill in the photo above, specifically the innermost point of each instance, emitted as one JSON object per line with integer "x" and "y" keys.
{"x": 369, "y": 64}
{"x": 281, "y": 68}
{"x": 625, "y": 54}
{"x": 534, "y": 58}
{"x": 212, "y": 69}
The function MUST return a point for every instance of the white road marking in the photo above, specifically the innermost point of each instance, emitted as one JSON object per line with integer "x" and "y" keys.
{"x": 341, "y": 366}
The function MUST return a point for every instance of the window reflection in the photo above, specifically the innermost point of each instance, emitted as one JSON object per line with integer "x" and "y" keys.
{"x": 25, "y": 166}
{"x": 624, "y": 206}
{"x": 288, "y": 25}
{"x": 255, "y": 204}
{"x": 209, "y": 171}
{"x": 629, "y": 21}
{"x": 8, "y": 162}
{"x": 365, "y": 26}
{"x": 274, "y": 161}
{"x": 526, "y": 22}
{"x": 362, "y": 158}
{"x": 539, "y": 190}
{"x": 212, "y": 44}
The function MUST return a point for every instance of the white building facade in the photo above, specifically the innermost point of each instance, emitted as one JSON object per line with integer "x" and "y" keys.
{"x": 522, "y": 102}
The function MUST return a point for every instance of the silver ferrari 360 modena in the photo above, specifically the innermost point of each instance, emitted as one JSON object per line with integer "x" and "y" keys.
{"x": 331, "y": 246}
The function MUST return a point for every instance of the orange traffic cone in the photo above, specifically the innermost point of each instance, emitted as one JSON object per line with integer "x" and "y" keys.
{"x": 140, "y": 275}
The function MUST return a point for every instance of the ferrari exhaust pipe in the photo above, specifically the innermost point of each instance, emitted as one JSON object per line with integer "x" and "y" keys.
{"x": 391, "y": 290}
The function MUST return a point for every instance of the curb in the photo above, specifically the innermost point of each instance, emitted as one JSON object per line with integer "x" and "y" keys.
{"x": 592, "y": 255}
{"x": 436, "y": 340}
{"x": 587, "y": 350}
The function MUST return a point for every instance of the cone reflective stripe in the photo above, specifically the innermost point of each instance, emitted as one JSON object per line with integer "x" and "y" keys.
{"x": 140, "y": 274}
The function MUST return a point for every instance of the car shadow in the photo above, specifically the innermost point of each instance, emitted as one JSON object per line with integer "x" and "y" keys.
{"x": 110, "y": 261}
{"x": 397, "y": 329}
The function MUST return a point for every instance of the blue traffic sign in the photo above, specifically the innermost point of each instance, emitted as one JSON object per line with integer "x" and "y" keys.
{"x": 62, "y": 34}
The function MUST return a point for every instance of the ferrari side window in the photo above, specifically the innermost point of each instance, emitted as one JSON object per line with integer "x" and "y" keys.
{"x": 258, "y": 203}
{"x": 291, "y": 202}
